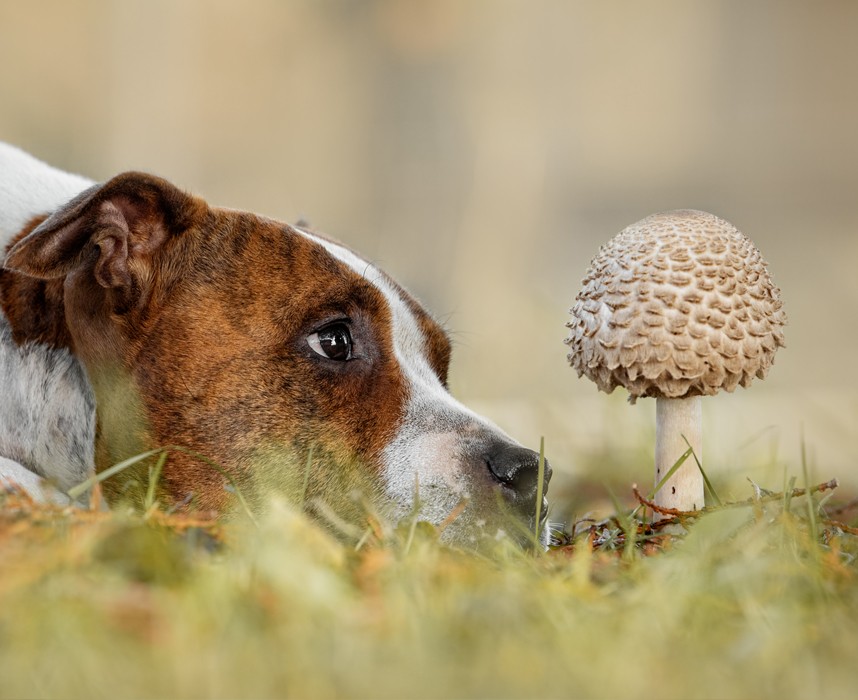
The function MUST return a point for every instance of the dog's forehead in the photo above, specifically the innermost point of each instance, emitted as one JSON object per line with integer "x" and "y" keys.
{"x": 409, "y": 334}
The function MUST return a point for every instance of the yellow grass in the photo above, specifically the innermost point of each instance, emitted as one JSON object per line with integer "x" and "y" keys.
{"x": 133, "y": 604}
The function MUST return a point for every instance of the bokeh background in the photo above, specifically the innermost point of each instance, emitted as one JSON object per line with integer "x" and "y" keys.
{"x": 481, "y": 150}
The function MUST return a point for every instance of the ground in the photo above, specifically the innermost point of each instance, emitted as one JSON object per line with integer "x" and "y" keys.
{"x": 756, "y": 600}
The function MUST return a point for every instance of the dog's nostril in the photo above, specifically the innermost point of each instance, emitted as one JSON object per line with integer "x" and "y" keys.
{"x": 517, "y": 468}
{"x": 513, "y": 475}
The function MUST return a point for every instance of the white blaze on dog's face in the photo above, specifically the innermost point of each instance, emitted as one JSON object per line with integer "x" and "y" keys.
{"x": 443, "y": 453}
{"x": 257, "y": 344}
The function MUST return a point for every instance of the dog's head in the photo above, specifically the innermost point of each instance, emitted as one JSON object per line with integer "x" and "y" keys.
{"x": 277, "y": 353}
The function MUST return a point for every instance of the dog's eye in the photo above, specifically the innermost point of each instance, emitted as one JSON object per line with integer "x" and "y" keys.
{"x": 333, "y": 342}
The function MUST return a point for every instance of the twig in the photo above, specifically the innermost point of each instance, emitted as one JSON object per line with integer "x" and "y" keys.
{"x": 843, "y": 507}
{"x": 840, "y": 526}
{"x": 794, "y": 493}
{"x": 661, "y": 509}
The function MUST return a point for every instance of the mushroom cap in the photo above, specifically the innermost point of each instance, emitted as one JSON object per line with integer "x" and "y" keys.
{"x": 679, "y": 304}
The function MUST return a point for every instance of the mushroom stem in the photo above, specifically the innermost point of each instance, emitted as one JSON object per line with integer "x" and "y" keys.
{"x": 676, "y": 418}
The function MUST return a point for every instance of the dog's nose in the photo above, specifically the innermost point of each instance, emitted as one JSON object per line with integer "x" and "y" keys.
{"x": 517, "y": 468}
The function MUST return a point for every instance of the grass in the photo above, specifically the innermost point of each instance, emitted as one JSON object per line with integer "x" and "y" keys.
{"x": 757, "y": 600}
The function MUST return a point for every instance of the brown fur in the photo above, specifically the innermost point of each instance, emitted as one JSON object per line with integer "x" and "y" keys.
{"x": 192, "y": 324}
{"x": 21, "y": 296}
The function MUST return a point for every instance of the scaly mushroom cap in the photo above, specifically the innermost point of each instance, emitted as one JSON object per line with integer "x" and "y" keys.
{"x": 679, "y": 304}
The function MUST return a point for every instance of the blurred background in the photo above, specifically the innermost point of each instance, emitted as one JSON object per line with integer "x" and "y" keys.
{"x": 481, "y": 151}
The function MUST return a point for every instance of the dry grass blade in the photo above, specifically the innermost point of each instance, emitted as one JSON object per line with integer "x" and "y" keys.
{"x": 166, "y": 604}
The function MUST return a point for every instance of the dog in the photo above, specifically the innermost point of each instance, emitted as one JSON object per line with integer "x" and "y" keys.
{"x": 272, "y": 357}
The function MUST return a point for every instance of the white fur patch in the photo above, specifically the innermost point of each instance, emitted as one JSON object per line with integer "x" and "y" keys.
{"x": 426, "y": 453}
{"x": 29, "y": 188}
{"x": 14, "y": 476}
{"x": 47, "y": 410}
{"x": 47, "y": 415}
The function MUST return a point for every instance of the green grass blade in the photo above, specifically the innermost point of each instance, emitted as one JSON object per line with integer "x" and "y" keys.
{"x": 415, "y": 511}
{"x": 76, "y": 491}
{"x": 540, "y": 476}
{"x": 628, "y": 524}
{"x": 676, "y": 465}
{"x": 154, "y": 477}
{"x": 80, "y": 489}
{"x": 788, "y": 487}
{"x": 703, "y": 473}
{"x": 224, "y": 473}
{"x": 811, "y": 504}
{"x": 306, "y": 483}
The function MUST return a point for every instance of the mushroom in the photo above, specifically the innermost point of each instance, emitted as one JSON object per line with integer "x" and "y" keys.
{"x": 677, "y": 306}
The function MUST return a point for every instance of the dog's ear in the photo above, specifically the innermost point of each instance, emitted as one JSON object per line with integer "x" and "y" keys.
{"x": 115, "y": 227}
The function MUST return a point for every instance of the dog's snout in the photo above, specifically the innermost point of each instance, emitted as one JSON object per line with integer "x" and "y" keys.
{"x": 517, "y": 468}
